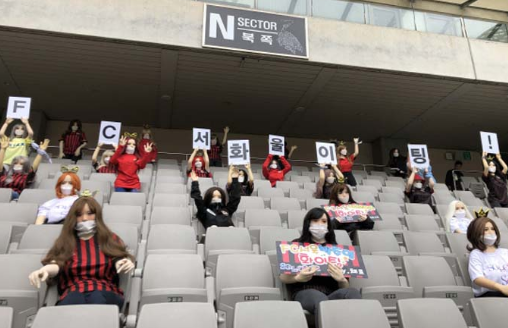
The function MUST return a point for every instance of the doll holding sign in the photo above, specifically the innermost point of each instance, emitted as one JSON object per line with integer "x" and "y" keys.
{"x": 341, "y": 195}
{"x": 420, "y": 189}
{"x": 494, "y": 176}
{"x": 19, "y": 140}
{"x": 104, "y": 165}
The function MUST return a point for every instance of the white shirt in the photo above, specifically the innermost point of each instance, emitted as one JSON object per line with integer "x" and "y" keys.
{"x": 493, "y": 266}
{"x": 56, "y": 210}
{"x": 459, "y": 224}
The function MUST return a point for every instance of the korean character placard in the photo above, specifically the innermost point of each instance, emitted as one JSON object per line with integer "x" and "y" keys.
{"x": 326, "y": 153}
{"x": 419, "y": 156}
{"x": 201, "y": 138}
{"x": 238, "y": 152}
{"x": 276, "y": 145}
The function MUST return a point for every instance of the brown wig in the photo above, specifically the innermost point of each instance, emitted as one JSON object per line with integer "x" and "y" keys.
{"x": 312, "y": 215}
{"x": 65, "y": 244}
{"x": 338, "y": 189}
{"x": 475, "y": 233}
{"x": 209, "y": 195}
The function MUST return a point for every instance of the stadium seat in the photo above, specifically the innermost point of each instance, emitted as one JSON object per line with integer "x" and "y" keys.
{"x": 501, "y": 212}
{"x": 391, "y": 198}
{"x": 248, "y": 202}
{"x": 389, "y": 208}
{"x": 123, "y": 214}
{"x": 181, "y": 315}
{"x": 423, "y": 242}
{"x": 424, "y": 313}
{"x": 443, "y": 198}
{"x": 283, "y": 205}
{"x": 259, "y": 183}
{"x": 267, "y": 193}
{"x": 170, "y": 200}
{"x": 225, "y": 241}
{"x": 352, "y": 313}
{"x": 380, "y": 243}
{"x": 300, "y": 194}
{"x": 373, "y": 182}
{"x": 171, "y": 179}
{"x": 38, "y": 239}
{"x": 278, "y": 314}
{"x": 393, "y": 190}
{"x": 287, "y": 176}
{"x": 130, "y": 236}
{"x": 170, "y": 188}
{"x": 302, "y": 179}
{"x": 295, "y": 218}
{"x": 36, "y": 196}
{"x": 390, "y": 222}
{"x": 286, "y": 186}
{"x": 381, "y": 174}
{"x": 468, "y": 198}
{"x": 174, "y": 278}
{"x": 366, "y": 188}
{"x": 47, "y": 184}
{"x": 422, "y": 223}
{"x": 363, "y": 197}
{"x": 204, "y": 184}
{"x": 128, "y": 198}
{"x": 5, "y": 236}
{"x": 242, "y": 278}
{"x": 489, "y": 312}
{"x": 6, "y": 317}
{"x": 167, "y": 161}
{"x": 299, "y": 168}
{"x": 261, "y": 218}
{"x": 314, "y": 176}
{"x": 171, "y": 215}
{"x": 102, "y": 186}
{"x": 171, "y": 239}
{"x": 342, "y": 237}
{"x": 473, "y": 209}
{"x": 268, "y": 236}
{"x": 168, "y": 172}
{"x": 310, "y": 186}
{"x": 81, "y": 316}
{"x": 420, "y": 209}
{"x": 109, "y": 177}
{"x": 360, "y": 173}
{"x": 313, "y": 202}
{"x": 396, "y": 184}
{"x": 18, "y": 213}
{"x": 15, "y": 289}
{"x": 441, "y": 187}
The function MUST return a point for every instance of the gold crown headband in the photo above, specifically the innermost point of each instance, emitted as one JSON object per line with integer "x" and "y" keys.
{"x": 342, "y": 143}
{"x": 87, "y": 193}
{"x": 341, "y": 180}
{"x": 133, "y": 135}
{"x": 490, "y": 158}
{"x": 69, "y": 169}
{"x": 481, "y": 213}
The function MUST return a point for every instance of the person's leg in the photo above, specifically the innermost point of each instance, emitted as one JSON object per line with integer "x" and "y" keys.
{"x": 135, "y": 190}
{"x": 14, "y": 195}
{"x": 495, "y": 203}
{"x": 73, "y": 299}
{"x": 104, "y": 297}
{"x": 345, "y": 294}
{"x": 492, "y": 294}
{"x": 120, "y": 189}
{"x": 310, "y": 299}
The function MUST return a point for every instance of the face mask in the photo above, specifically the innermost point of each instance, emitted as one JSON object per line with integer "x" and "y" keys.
{"x": 489, "y": 239}
{"x": 418, "y": 185}
{"x": 330, "y": 180}
{"x": 344, "y": 199}
{"x": 66, "y": 189}
{"x": 19, "y": 132}
{"x": 460, "y": 214}
{"x": 146, "y": 136}
{"x": 106, "y": 160}
{"x": 492, "y": 169}
{"x": 130, "y": 150}
{"x": 85, "y": 228}
{"x": 318, "y": 231}
{"x": 274, "y": 166}
{"x": 74, "y": 128}
{"x": 214, "y": 142}
{"x": 198, "y": 165}
{"x": 216, "y": 201}
{"x": 17, "y": 168}
{"x": 395, "y": 154}
{"x": 241, "y": 179}
{"x": 343, "y": 152}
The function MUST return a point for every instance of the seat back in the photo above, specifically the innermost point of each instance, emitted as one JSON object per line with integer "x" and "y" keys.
{"x": 427, "y": 271}
{"x": 171, "y": 215}
{"x": 295, "y": 218}
{"x": 171, "y": 200}
{"x": 420, "y": 209}
{"x": 18, "y": 212}
{"x": 352, "y": 313}
{"x": 38, "y": 239}
{"x": 128, "y": 198}
{"x": 363, "y": 197}
{"x": 489, "y": 312}
{"x": 262, "y": 217}
{"x": 36, "y": 196}
{"x": 415, "y": 312}
{"x": 283, "y": 204}
{"x": 377, "y": 241}
{"x": 97, "y": 316}
{"x": 122, "y": 214}
{"x": 380, "y": 270}
{"x": 268, "y": 236}
{"x": 312, "y": 202}
{"x": 170, "y": 188}
{"x": 181, "y": 315}
{"x": 171, "y": 238}
{"x": 421, "y": 222}
{"x": 422, "y": 242}
{"x": 270, "y": 192}
{"x": 248, "y": 315}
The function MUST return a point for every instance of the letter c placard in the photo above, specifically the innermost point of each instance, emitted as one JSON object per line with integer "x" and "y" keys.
{"x": 109, "y": 133}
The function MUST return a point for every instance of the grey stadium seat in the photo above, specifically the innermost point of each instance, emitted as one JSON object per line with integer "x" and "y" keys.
{"x": 363, "y": 197}
{"x": 36, "y": 196}
{"x": 268, "y": 193}
{"x": 391, "y": 198}
{"x": 171, "y": 215}
{"x": 171, "y": 200}
{"x": 259, "y": 183}
{"x": 123, "y": 214}
{"x": 15, "y": 289}
{"x": 169, "y": 172}
{"x": 443, "y": 198}
{"x": 283, "y": 205}
{"x": 352, "y": 313}
{"x": 295, "y": 218}
{"x": 254, "y": 219}
{"x": 372, "y": 189}
{"x": 389, "y": 208}
{"x": 18, "y": 213}
{"x": 421, "y": 209}
{"x": 5, "y": 195}
{"x": 422, "y": 223}
{"x": 81, "y": 316}
{"x": 373, "y": 182}
{"x": 302, "y": 179}
{"x": 171, "y": 239}
{"x": 286, "y": 186}
{"x": 181, "y": 315}
{"x": 6, "y": 317}
{"x": 242, "y": 278}
{"x": 128, "y": 198}
{"x": 269, "y": 314}
{"x": 5, "y": 236}
{"x": 489, "y": 312}
{"x": 225, "y": 241}
{"x": 38, "y": 239}
{"x": 103, "y": 186}
{"x": 170, "y": 188}
{"x": 312, "y": 202}
{"x": 247, "y": 202}
{"x": 390, "y": 222}
{"x": 425, "y": 313}
{"x": 342, "y": 238}
{"x": 380, "y": 243}
{"x": 170, "y": 179}
{"x": 300, "y": 194}
{"x": 393, "y": 190}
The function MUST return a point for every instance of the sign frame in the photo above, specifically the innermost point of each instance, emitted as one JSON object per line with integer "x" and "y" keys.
{"x": 209, "y": 131}
{"x": 103, "y": 125}
{"x": 11, "y": 103}
{"x": 270, "y": 151}
{"x": 415, "y": 164}
{"x": 326, "y": 144}
{"x": 484, "y": 136}
{"x": 244, "y": 162}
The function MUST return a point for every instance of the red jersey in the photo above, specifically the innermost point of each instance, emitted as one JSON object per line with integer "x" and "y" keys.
{"x": 110, "y": 168}
{"x": 214, "y": 152}
{"x": 152, "y": 157}
{"x": 274, "y": 175}
{"x": 128, "y": 166}
{"x": 346, "y": 165}
{"x": 19, "y": 181}
{"x": 88, "y": 269}
{"x": 72, "y": 140}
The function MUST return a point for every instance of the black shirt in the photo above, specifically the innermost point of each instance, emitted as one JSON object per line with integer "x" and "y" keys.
{"x": 497, "y": 187}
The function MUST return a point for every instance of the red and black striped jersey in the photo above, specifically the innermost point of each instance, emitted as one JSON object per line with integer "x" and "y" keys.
{"x": 19, "y": 181}
{"x": 72, "y": 140}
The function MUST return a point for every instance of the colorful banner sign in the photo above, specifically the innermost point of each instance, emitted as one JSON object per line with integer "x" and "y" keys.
{"x": 352, "y": 212}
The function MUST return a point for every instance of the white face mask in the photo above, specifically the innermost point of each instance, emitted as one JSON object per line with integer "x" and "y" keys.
{"x": 330, "y": 180}
{"x": 460, "y": 214}
{"x": 19, "y": 132}
{"x": 489, "y": 239}
{"x": 318, "y": 231}
{"x": 106, "y": 160}
{"x": 216, "y": 201}
{"x": 395, "y": 154}
{"x": 343, "y": 152}
{"x": 130, "y": 149}
{"x": 274, "y": 166}
{"x": 214, "y": 142}
{"x": 17, "y": 168}
{"x": 66, "y": 189}
{"x": 85, "y": 228}
{"x": 241, "y": 179}
{"x": 146, "y": 136}
{"x": 418, "y": 185}
{"x": 492, "y": 169}
{"x": 344, "y": 199}
{"x": 74, "y": 128}
{"x": 198, "y": 165}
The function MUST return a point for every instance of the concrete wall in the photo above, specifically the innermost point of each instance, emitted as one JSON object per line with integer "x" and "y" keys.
{"x": 180, "y": 141}
{"x": 179, "y": 23}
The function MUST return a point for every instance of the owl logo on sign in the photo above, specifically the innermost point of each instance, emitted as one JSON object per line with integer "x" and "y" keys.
{"x": 287, "y": 39}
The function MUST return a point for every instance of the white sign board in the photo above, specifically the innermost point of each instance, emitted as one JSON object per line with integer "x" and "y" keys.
{"x": 238, "y": 152}
{"x": 109, "y": 133}
{"x": 489, "y": 142}
{"x": 18, "y": 107}
{"x": 326, "y": 153}
{"x": 201, "y": 138}
{"x": 419, "y": 156}
{"x": 275, "y": 145}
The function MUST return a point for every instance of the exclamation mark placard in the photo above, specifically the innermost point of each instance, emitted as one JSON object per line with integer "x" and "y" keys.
{"x": 489, "y": 142}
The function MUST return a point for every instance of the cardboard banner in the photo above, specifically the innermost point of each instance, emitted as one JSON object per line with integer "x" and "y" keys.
{"x": 201, "y": 138}
{"x": 419, "y": 156}
{"x": 109, "y": 133}
{"x": 18, "y": 107}
{"x": 238, "y": 152}
{"x": 489, "y": 142}
{"x": 276, "y": 145}
{"x": 348, "y": 213}
{"x": 293, "y": 257}
{"x": 326, "y": 153}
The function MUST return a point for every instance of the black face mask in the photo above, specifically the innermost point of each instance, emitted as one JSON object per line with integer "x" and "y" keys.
{"x": 215, "y": 206}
